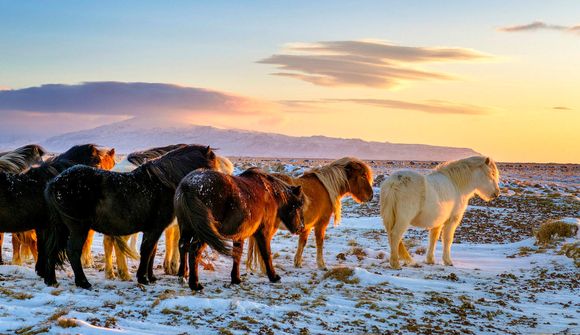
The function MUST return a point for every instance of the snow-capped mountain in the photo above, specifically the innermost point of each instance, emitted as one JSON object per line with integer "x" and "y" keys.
{"x": 130, "y": 135}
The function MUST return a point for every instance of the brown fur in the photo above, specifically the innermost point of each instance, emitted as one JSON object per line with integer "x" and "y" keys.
{"x": 24, "y": 246}
{"x": 348, "y": 176}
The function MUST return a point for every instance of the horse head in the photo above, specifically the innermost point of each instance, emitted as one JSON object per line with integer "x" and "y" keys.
{"x": 360, "y": 180}
{"x": 291, "y": 212}
{"x": 486, "y": 179}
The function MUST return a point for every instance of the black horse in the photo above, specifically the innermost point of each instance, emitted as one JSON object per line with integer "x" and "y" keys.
{"x": 17, "y": 161}
{"x": 22, "y": 205}
{"x": 212, "y": 207}
{"x": 115, "y": 203}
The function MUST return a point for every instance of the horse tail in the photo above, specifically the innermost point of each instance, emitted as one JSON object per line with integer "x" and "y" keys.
{"x": 388, "y": 204}
{"x": 194, "y": 215}
{"x": 124, "y": 248}
{"x": 253, "y": 257}
{"x": 56, "y": 235}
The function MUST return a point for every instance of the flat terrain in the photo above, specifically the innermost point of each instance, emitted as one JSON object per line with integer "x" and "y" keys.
{"x": 501, "y": 282}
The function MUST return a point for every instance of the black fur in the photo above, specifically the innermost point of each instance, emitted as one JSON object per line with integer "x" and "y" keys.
{"x": 115, "y": 203}
{"x": 22, "y": 205}
{"x": 141, "y": 157}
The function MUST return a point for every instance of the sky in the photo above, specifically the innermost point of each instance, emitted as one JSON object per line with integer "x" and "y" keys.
{"x": 500, "y": 77}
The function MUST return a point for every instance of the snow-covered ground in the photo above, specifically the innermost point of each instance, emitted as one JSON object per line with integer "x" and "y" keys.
{"x": 493, "y": 288}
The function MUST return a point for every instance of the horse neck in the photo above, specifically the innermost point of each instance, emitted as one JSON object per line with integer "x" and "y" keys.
{"x": 145, "y": 175}
{"x": 466, "y": 189}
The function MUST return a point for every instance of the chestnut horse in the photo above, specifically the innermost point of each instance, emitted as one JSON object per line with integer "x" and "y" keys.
{"x": 324, "y": 188}
{"x": 117, "y": 204}
{"x": 14, "y": 162}
{"x": 22, "y": 205}
{"x": 436, "y": 202}
{"x": 212, "y": 207}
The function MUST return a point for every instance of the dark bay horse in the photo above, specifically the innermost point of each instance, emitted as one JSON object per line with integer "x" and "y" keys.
{"x": 117, "y": 204}
{"x": 22, "y": 205}
{"x": 17, "y": 161}
{"x": 211, "y": 207}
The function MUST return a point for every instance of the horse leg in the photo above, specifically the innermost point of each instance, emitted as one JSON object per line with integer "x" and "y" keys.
{"x": 237, "y": 252}
{"x": 87, "y": 257}
{"x": 108, "y": 245}
{"x": 16, "y": 246}
{"x": 266, "y": 253}
{"x": 33, "y": 244}
{"x": 434, "y": 234}
{"x": 448, "y": 234}
{"x": 122, "y": 268}
{"x": 148, "y": 247}
{"x": 184, "y": 245}
{"x": 74, "y": 251}
{"x": 404, "y": 254}
{"x": 1, "y": 242}
{"x": 150, "y": 274}
{"x": 319, "y": 232}
{"x": 195, "y": 251}
{"x": 170, "y": 262}
{"x": 40, "y": 266}
{"x": 395, "y": 238}
{"x": 301, "y": 244}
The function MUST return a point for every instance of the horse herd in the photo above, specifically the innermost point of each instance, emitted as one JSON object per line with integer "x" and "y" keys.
{"x": 52, "y": 206}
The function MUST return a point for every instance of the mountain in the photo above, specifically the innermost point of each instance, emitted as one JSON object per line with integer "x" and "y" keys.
{"x": 130, "y": 135}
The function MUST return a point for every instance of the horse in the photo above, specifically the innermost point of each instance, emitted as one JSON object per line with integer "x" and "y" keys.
{"x": 212, "y": 206}
{"x": 116, "y": 204}
{"x": 324, "y": 187}
{"x": 171, "y": 262}
{"x": 130, "y": 163}
{"x": 14, "y": 162}
{"x": 435, "y": 201}
{"x": 22, "y": 205}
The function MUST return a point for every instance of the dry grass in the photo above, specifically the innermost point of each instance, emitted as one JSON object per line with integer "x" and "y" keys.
{"x": 15, "y": 295}
{"x": 66, "y": 323}
{"x": 57, "y": 315}
{"x": 572, "y": 250}
{"x": 548, "y": 232}
{"x": 342, "y": 274}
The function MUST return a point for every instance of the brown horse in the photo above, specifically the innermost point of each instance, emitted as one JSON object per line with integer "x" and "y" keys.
{"x": 324, "y": 188}
{"x": 212, "y": 207}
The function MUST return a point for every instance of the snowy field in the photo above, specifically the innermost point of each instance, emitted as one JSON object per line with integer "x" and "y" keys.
{"x": 501, "y": 283}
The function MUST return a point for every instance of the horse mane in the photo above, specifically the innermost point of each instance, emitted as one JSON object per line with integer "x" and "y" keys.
{"x": 170, "y": 168}
{"x": 140, "y": 157}
{"x": 225, "y": 165}
{"x": 335, "y": 180}
{"x": 78, "y": 154}
{"x": 460, "y": 171}
{"x": 20, "y": 159}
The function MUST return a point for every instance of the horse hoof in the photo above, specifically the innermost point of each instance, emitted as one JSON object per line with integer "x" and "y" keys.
{"x": 236, "y": 281}
{"x": 84, "y": 284}
{"x": 196, "y": 287}
{"x": 109, "y": 275}
{"x": 51, "y": 283}
{"x": 143, "y": 281}
{"x": 275, "y": 279}
{"x": 152, "y": 279}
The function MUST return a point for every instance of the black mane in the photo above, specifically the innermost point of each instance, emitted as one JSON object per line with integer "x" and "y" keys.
{"x": 170, "y": 168}
{"x": 141, "y": 157}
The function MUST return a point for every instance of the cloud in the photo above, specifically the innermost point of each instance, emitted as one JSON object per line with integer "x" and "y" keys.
{"x": 57, "y": 108}
{"x": 429, "y": 106}
{"x": 562, "y": 108}
{"x": 365, "y": 63}
{"x": 539, "y": 25}
{"x": 119, "y": 98}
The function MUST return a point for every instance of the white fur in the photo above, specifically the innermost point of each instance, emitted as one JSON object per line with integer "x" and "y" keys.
{"x": 435, "y": 202}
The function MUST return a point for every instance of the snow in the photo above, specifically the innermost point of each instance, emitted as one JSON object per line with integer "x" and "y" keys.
{"x": 487, "y": 291}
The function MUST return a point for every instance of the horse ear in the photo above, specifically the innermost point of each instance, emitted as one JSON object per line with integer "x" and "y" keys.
{"x": 296, "y": 190}
{"x": 487, "y": 160}
{"x": 111, "y": 152}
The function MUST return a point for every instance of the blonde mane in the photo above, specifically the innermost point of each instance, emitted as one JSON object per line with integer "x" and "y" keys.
{"x": 460, "y": 171}
{"x": 333, "y": 177}
{"x": 225, "y": 165}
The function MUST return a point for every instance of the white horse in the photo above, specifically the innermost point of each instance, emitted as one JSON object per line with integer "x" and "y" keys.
{"x": 435, "y": 202}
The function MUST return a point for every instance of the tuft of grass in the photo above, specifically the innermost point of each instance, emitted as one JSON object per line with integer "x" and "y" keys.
{"x": 571, "y": 250}
{"x": 549, "y": 231}
{"x": 15, "y": 295}
{"x": 342, "y": 274}
{"x": 164, "y": 295}
{"x": 358, "y": 252}
{"x": 67, "y": 323}
{"x": 57, "y": 315}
